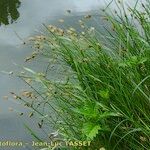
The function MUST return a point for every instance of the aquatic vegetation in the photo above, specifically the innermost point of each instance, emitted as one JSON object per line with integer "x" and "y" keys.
{"x": 103, "y": 94}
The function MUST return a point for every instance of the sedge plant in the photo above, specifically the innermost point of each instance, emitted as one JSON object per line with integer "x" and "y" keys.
{"x": 103, "y": 94}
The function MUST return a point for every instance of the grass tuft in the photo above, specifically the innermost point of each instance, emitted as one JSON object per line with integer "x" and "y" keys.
{"x": 103, "y": 94}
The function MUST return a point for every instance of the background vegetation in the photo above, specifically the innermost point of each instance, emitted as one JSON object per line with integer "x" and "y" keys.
{"x": 8, "y": 11}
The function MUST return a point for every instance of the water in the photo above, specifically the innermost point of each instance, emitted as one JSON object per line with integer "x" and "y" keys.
{"x": 18, "y": 21}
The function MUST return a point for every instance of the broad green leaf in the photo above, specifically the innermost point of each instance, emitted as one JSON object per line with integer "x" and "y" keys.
{"x": 89, "y": 111}
{"x": 90, "y": 130}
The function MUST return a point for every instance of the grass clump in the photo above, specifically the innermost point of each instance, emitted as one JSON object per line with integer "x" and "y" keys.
{"x": 104, "y": 93}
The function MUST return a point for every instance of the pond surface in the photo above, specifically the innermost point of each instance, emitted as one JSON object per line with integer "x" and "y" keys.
{"x": 20, "y": 19}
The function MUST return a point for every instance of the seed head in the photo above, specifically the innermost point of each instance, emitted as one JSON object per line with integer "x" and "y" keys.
{"x": 69, "y": 11}
{"x": 21, "y": 114}
{"x": 5, "y": 97}
{"x": 83, "y": 33}
{"x": 143, "y": 5}
{"x": 10, "y": 109}
{"x": 143, "y": 139}
{"x": 31, "y": 114}
{"x": 87, "y": 16}
{"x": 61, "y": 20}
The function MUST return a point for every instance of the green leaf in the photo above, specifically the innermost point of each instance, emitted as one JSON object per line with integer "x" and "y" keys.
{"x": 143, "y": 60}
{"x": 88, "y": 110}
{"x": 90, "y": 130}
{"x": 108, "y": 114}
{"x": 123, "y": 65}
{"x": 29, "y": 70}
{"x": 32, "y": 133}
{"x": 104, "y": 94}
{"x": 65, "y": 38}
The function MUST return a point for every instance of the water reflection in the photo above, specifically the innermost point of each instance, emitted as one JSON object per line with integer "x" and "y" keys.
{"x": 8, "y": 11}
